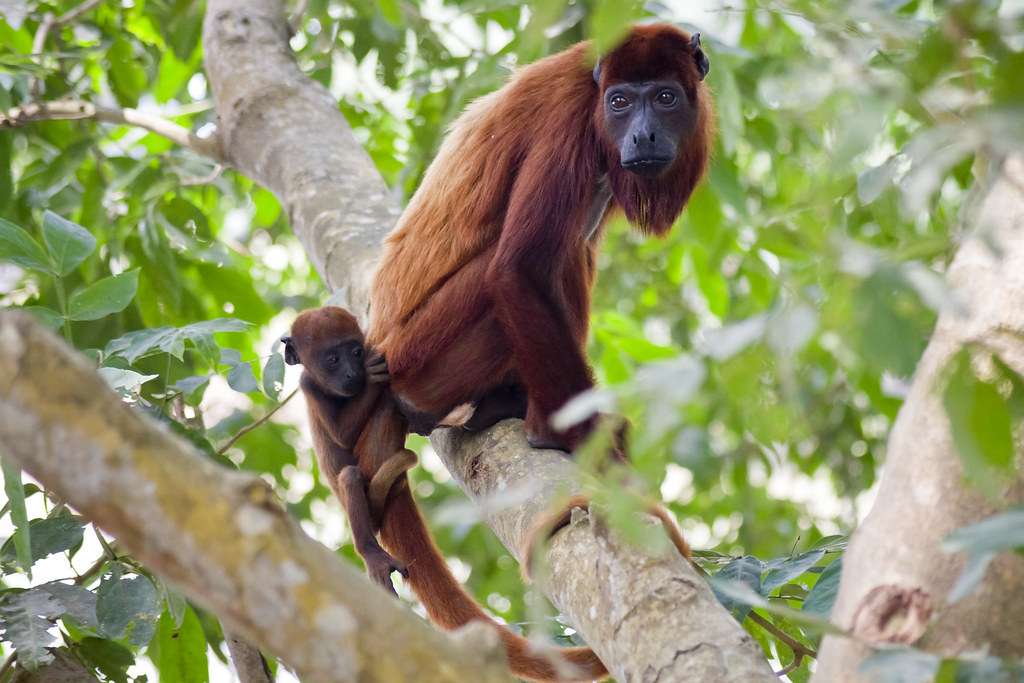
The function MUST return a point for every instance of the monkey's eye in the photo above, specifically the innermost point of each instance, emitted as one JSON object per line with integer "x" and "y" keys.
{"x": 357, "y": 351}
{"x": 667, "y": 98}
{"x": 331, "y": 360}
{"x": 618, "y": 102}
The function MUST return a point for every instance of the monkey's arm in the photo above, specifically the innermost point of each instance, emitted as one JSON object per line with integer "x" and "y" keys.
{"x": 343, "y": 419}
{"x": 379, "y": 564}
{"x": 543, "y": 222}
{"x": 341, "y": 468}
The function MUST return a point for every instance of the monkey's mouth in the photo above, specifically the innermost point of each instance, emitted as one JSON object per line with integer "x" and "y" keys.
{"x": 650, "y": 166}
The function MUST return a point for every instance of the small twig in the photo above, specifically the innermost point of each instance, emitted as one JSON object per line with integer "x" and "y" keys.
{"x": 793, "y": 666}
{"x": 84, "y": 577}
{"x": 74, "y": 109}
{"x": 799, "y": 649}
{"x": 203, "y": 180}
{"x": 75, "y": 12}
{"x": 249, "y": 427}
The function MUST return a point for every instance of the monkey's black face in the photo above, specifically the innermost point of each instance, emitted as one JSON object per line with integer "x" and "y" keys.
{"x": 341, "y": 368}
{"x": 647, "y": 121}
{"x": 338, "y": 368}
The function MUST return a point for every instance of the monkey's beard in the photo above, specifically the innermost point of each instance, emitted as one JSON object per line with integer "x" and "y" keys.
{"x": 650, "y": 204}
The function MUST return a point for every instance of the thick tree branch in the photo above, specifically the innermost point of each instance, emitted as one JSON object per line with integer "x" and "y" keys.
{"x": 219, "y": 535}
{"x": 648, "y": 617}
{"x": 896, "y": 578}
{"x": 74, "y": 109}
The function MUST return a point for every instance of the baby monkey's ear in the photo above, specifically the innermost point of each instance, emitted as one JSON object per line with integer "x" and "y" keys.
{"x": 291, "y": 356}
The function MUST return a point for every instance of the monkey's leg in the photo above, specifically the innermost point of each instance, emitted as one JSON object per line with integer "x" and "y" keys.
{"x": 501, "y": 404}
{"x": 379, "y": 564}
{"x": 384, "y": 479}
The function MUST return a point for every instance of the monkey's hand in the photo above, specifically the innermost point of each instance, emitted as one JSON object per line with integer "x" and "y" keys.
{"x": 376, "y": 368}
{"x": 379, "y": 566}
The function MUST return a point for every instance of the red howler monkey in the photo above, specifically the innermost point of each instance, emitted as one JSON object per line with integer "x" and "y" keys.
{"x": 483, "y": 294}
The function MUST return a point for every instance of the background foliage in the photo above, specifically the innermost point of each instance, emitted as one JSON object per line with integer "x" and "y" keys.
{"x": 762, "y": 351}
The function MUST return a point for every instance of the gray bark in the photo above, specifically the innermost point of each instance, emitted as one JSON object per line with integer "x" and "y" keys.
{"x": 285, "y": 131}
{"x": 896, "y": 577}
{"x": 219, "y": 535}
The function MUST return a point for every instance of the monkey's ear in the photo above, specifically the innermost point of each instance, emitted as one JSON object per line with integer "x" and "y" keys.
{"x": 291, "y": 356}
{"x": 703, "y": 65}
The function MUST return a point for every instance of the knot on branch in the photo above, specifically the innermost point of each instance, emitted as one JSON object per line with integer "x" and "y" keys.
{"x": 891, "y": 614}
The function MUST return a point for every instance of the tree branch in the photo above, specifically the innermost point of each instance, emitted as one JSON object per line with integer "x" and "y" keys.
{"x": 74, "y": 109}
{"x": 217, "y": 534}
{"x": 896, "y": 578}
{"x": 249, "y": 427}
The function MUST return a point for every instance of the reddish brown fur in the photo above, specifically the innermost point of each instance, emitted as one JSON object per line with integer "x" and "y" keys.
{"x": 372, "y": 424}
{"x": 488, "y": 269}
{"x": 486, "y": 279}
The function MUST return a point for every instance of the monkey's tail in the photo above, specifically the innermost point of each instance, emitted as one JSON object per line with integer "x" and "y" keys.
{"x": 405, "y": 535}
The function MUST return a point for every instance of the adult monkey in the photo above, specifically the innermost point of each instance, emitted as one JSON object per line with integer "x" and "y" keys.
{"x": 484, "y": 289}
{"x": 483, "y": 295}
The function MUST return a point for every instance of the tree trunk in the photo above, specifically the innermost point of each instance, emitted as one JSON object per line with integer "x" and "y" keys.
{"x": 896, "y": 578}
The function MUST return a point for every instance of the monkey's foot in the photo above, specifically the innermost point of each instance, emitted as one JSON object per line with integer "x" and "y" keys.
{"x": 458, "y": 416}
{"x": 546, "y": 442}
{"x": 379, "y": 567}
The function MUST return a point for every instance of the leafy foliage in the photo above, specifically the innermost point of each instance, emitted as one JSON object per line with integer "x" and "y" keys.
{"x": 761, "y": 351}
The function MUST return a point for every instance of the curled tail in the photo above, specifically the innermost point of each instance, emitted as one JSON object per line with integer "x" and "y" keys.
{"x": 405, "y": 535}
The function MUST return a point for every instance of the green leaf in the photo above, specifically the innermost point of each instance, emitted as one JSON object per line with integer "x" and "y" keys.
{"x": 903, "y": 665}
{"x": 273, "y": 375}
{"x": 242, "y": 379}
{"x": 1004, "y": 531}
{"x": 128, "y": 608}
{"x": 74, "y": 601}
{"x": 25, "y": 618}
{"x": 971, "y": 575}
{"x": 821, "y": 598}
{"x": 18, "y": 247}
{"x": 112, "y": 659}
{"x": 119, "y": 379}
{"x": 192, "y": 388}
{"x": 55, "y": 534}
{"x": 181, "y": 652}
{"x": 46, "y": 316}
{"x": 790, "y": 568}
{"x": 981, "y": 425}
{"x": 127, "y": 77}
{"x": 104, "y": 297}
{"x": 139, "y": 343}
{"x": 746, "y": 571}
{"x": 68, "y": 243}
{"x": 610, "y": 20}
{"x": 19, "y": 516}
{"x": 390, "y": 10}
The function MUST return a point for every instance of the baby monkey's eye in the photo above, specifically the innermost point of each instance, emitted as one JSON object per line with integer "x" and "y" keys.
{"x": 357, "y": 351}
